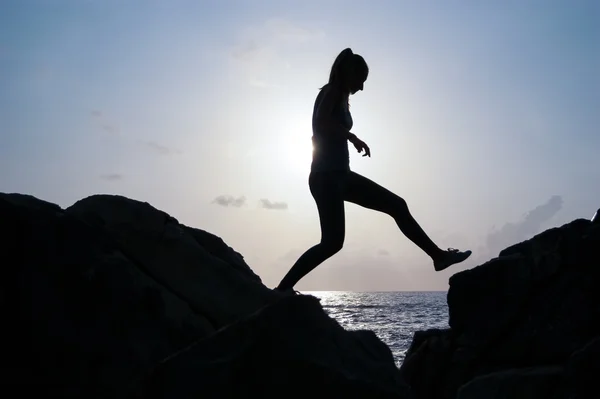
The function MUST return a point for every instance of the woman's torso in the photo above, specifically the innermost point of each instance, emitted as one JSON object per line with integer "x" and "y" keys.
{"x": 330, "y": 150}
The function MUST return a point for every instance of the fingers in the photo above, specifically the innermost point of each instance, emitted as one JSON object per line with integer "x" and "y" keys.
{"x": 367, "y": 151}
{"x": 363, "y": 146}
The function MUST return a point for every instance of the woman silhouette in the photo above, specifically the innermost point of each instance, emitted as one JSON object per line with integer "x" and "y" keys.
{"x": 332, "y": 182}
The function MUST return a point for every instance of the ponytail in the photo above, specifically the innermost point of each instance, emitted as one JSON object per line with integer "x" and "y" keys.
{"x": 339, "y": 65}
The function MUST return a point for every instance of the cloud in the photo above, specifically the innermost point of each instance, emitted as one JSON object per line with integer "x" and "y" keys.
{"x": 268, "y": 47}
{"x": 113, "y": 128}
{"x": 275, "y": 34}
{"x": 105, "y": 125}
{"x": 265, "y": 203}
{"x": 109, "y": 128}
{"x": 112, "y": 177}
{"x": 159, "y": 148}
{"x": 228, "y": 200}
{"x": 532, "y": 223}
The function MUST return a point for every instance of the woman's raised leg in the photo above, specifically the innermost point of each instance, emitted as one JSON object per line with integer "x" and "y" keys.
{"x": 368, "y": 194}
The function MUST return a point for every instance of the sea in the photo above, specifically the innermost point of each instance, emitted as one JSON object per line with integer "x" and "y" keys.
{"x": 393, "y": 316}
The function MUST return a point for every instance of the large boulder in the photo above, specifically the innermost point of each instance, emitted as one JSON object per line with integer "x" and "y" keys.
{"x": 291, "y": 348}
{"x": 80, "y": 318}
{"x": 516, "y": 320}
{"x": 112, "y": 298}
{"x": 195, "y": 265}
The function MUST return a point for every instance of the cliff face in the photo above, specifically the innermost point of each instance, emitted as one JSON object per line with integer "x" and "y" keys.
{"x": 114, "y": 298}
{"x": 523, "y": 325}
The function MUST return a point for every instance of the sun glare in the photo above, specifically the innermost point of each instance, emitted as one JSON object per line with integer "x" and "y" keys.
{"x": 296, "y": 151}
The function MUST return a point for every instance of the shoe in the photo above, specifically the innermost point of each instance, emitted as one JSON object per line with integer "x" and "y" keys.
{"x": 451, "y": 256}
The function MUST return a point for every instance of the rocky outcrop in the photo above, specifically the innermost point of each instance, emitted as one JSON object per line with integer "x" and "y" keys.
{"x": 291, "y": 348}
{"x": 523, "y": 325}
{"x": 193, "y": 264}
{"x": 112, "y": 298}
{"x": 80, "y": 317}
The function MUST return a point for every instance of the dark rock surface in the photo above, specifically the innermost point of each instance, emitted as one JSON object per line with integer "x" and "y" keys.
{"x": 519, "y": 323}
{"x": 79, "y": 317}
{"x": 213, "y": 278}
{"x": 291, "y": 348}
{"x": 112, "y": 298}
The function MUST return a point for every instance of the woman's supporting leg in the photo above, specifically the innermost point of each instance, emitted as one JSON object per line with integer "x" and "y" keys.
{"x": 326, "y": 189}
{"x": 367, "y": 193}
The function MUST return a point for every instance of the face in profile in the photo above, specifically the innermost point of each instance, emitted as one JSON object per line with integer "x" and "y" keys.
{"x": 356, "y": 80}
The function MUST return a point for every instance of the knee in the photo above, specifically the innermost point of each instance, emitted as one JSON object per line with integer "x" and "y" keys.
{"x": 400, "y": 208}
{"x": 333, "y": 245}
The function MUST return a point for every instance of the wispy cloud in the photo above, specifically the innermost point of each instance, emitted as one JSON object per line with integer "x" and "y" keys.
{"x": 228, "y": 200}
{"x": 103, "y": 123}
{"x": 112, "y": 177}
{"x": 263, "y": 48}
{"x": 531, "y": 224}
{"x": 383, "y": 252}
{"x": 109, "y": 128}
{"x": 159, "y": 148}
{"x": 267, "y": 204}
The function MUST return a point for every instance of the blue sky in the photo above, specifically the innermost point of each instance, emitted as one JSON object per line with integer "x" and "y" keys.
{"x": 482, "y": 115}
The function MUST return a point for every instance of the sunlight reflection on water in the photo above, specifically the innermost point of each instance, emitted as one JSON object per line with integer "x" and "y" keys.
{"x": 393, "y": 316}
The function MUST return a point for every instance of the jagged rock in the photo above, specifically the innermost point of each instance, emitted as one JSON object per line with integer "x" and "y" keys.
{"x": 428, "y": 359}
{"x": 289, "y": 349}
{"x": 95, "y": 298}
{"x": 114, "y": 298}
{"x": 532, "y": 306}
{"x": 80, "y": 319}
{"x": 216, "y": 282}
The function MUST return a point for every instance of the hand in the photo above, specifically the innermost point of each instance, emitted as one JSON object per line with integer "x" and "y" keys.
{"x": 360, "y": 146}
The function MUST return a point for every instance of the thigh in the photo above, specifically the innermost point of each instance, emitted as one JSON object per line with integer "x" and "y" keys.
{"x": 368, "y": 194}
{"x": 328, "y": 192}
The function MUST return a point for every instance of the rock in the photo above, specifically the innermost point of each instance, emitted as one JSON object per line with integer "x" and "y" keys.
{"x": 596, "y": 217}
{"x": 428, "y": 359}
{"x": 217, "y": 247}
{"x": 30, "y": 202}
{"x": 530, "y": 308}
{"x": 80, "y": 319}
{"x": 291, "y": 348}
{"x": 529, "y": 383}
{"x": 113, "y": 298}
{"x": 214, "y": 282}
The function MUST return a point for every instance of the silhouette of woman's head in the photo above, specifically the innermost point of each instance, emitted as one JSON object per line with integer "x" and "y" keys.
{"x": 349, "y": 72}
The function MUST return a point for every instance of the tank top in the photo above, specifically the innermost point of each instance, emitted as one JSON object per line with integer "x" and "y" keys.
{"x": 330, "y": 151}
